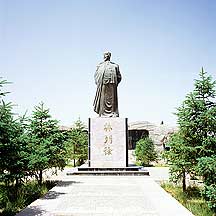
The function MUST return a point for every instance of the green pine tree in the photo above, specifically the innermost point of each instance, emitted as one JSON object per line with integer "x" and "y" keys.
{"x": 78, "y": 143}
{"x": 194, "y": 149}
{"x": 12, "y": 143}
{"x": 2, "y": 83}
{"x": 145, "y": 151}
{"x": 179, "y": 159}
{"x": 46, "y": 146}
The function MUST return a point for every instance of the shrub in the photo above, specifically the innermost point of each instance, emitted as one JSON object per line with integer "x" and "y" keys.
{"x": 145, "y": 151}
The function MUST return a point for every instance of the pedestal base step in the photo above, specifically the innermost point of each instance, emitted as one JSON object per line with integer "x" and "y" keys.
{"x": 118, "y": 173}
{"x": 124, "y": 171}
{"x": 134, "y": 168}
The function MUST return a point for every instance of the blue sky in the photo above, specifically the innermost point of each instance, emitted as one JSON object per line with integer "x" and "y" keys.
{"x": 49, "y": 50}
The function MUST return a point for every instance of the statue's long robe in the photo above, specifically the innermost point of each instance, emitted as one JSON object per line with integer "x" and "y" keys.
{"x": 107, "y": 78}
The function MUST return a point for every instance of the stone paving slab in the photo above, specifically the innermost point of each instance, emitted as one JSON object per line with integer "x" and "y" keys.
{"x": 106, "y": 196}
{"x": 159, "y": 173}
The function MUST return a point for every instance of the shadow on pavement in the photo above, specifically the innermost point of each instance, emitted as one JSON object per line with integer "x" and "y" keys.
{"x": 52, "y": 195}
{"x": 67, "y": 183}
{"x": 33, "y": 211}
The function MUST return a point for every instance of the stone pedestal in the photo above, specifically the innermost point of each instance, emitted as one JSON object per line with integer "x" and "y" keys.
{"x": 108, "y": 142}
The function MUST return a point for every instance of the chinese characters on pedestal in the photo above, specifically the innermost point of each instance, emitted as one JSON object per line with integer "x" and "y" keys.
{"x": 107, "y": 139}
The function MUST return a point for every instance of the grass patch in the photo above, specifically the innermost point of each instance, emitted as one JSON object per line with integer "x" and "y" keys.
{"x": 191, "y": 199}
{"x": 69, "y": 166}
{"x": 161, "y": 165}
{"x": 13, "y": 199}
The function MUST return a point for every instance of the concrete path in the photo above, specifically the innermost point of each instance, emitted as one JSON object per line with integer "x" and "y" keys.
{"x": 106, "y": 196}
{"x": 159, "y": 174}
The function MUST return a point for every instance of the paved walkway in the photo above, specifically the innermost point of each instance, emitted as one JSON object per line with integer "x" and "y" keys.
{"x": 106, "y": 196}
{"x": 159, "y": 173}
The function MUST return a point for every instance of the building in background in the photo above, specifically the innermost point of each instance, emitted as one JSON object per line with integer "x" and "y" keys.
{"x": 141, "y": 129}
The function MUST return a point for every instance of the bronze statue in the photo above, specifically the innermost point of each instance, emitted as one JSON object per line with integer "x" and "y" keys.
{"x": 107, "y": 77}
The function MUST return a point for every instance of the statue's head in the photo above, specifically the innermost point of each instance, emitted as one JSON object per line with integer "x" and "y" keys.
{"x": 107, "y": 56}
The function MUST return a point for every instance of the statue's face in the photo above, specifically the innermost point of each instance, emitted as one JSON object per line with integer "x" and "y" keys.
{"x": 107, "y": 56}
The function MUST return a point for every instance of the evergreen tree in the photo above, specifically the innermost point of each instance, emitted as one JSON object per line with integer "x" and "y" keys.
{"x": 197, "y": 129}
{"x": 207, "y": 168}
{"x": 46, "y": 146}
{"x": 178, "y": 158}
{"x": 12, "y": 143}
{"x": 196, "y": 117}
{"x": 78, "y": 143}
{"x": 2, "y": 83}
{"x": 145, "y": 151}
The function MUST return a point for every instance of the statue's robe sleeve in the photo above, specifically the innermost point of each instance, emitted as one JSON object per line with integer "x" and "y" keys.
{"x": 99, "y": 82}
{"x": 119, "y": 77}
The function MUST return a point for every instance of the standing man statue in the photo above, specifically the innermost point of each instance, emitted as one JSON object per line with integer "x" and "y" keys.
{"x": 107, "y": 77}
